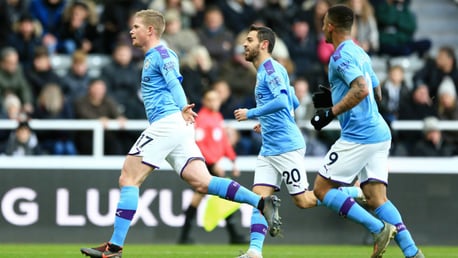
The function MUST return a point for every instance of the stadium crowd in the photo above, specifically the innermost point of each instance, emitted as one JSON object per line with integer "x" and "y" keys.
{"x": 208, "y": 38}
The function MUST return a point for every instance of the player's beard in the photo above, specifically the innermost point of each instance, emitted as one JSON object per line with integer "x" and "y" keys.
{"x": 251, "y": 55}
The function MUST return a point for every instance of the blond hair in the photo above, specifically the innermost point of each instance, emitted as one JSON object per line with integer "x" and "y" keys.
{"x": 11, "y": 100}
{"x": 198, "y": 53}
{"x": 51, "y": 98}
{"x": 151, "y": 17}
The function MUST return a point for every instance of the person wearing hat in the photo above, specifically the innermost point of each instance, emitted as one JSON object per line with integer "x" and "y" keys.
{"x": 25, "y": 38}
{"x": 448, "y": 108}
{"x": 22, "y": 141}
{"x": 433, "y": 143}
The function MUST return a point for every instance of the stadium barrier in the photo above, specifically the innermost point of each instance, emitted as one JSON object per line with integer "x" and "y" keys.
{"x": 68, "y": 199}
{"x": 139, "y": 125}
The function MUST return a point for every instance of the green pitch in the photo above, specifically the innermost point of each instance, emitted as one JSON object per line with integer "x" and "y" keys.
{"x": 216, "y": 251}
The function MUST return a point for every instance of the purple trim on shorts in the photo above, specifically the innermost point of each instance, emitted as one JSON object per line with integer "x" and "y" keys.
{"x": 400, "y": 227}
{"x": 232, "y": 190}
{"x": 125, "y": 214}
{"x": 187, "y": 162}
{"x": 151, "y": 165}
{"x": 346, "y": 206}
{"x": 133, "y": 153}
{"x": 276, "y": 188}
{"x": 301, "y": 192}
{"x": 373, "y": 180}
{"x": 335, "y": 181}
{"x": 258, "y": 228}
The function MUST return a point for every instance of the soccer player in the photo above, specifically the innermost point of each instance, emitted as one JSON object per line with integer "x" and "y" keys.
{"x": 282, "y": 152}
{"x": 214, "y": 143}
{"x": 169, "y": 136}
{"x": 363, "y": 147}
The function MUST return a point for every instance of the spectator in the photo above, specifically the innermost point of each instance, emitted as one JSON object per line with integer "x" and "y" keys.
{"x": 22, "y": 141}
{"x": 197, "y": 14}
{"x": 5, "y": 23}
{"x": 303, "y": 114}
{"x": 302, "y": 46}
{"x": 11, "y": 107}
{"x": 366, "y": 28}
{"x": 432, "y": 143}
{"x": 433, "y": 73}
{"x": 16, "y": 8}
{"x": 25, "y": 38}
{"x": 77, "y": 79}
{"x": 397, "y": 26}
{"x": 216, "y": 37}
{"x": 52, "y": 104}
{"x": 41, "y": 71}
{"x": 121, "y": 76}
{"x": 238, "y": 14}
{"x": 278, "y": 15}
{"x": 241, "y": 76}
{"x": 418, "y": 106}
{"x": 318, "y": 12}
{"x": 49, "y": 14}
{"x": 97, "y": 105}
{"x": 198, "y": 74}
{"x": 125, "y": 38}
{"x": 115, "y": 18}
{"x": 13, "y": 80}
{"x": 186, "y": 9}
{"x": 78, "y": 29}
{"x": 448, "y": 109}
{"x": 394, "y": 92}
{"x": 12, "y": 110}
{"x": 248, "y": 142}
{"x": 228, "y": 102}
{"x": 179, "y": 39}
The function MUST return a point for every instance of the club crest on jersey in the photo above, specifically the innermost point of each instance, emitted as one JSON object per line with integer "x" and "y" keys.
{"x": 146, "y": 64}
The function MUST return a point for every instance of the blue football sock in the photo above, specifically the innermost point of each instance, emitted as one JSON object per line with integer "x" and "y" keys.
{"x": 258, "y": 230}
{"x": 389, "y": 213}
{"x": 351, "y": 191}
{"x": 127, "y": 206}
{"x": 233, "y": 191}
{"x": 346, "y": 206}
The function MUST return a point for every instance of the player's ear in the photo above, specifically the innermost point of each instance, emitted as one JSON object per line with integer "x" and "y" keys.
{"x": 151, "y": 30}
{"x": 265, "y": 44}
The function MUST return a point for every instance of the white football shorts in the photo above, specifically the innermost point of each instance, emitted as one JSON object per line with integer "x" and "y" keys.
{"x": 288, "y": 167}
{"x": 167, "y": 139}
{"x": 346, "y": 161}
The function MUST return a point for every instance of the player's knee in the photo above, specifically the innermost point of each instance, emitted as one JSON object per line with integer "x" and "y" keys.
{"x": 304, "y": 202}
{"x": 200, "y": 188}
{"x": 319, "y": 193}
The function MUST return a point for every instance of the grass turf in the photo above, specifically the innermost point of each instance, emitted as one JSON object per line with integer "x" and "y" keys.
{"x": 213, "y": 251}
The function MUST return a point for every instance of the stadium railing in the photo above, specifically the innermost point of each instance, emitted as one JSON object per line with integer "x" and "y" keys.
{"x": 98, "y": 161}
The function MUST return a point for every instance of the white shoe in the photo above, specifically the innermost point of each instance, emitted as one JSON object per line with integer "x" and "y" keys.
{"x": 250, "y": 254}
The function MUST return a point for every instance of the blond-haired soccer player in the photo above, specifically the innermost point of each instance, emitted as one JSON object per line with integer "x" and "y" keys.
{"x": 169, "y": 136}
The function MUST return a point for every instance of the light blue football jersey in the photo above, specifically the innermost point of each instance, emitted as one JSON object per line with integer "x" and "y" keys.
{"x": 160, "y": 68}
{"x": 280, "y": 133}
{"x": 363, "y": 123}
